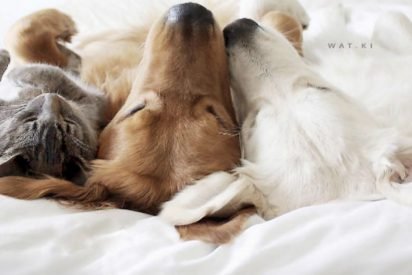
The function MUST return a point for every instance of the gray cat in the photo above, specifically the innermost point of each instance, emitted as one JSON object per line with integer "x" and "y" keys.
{"x": 49, "y": 122}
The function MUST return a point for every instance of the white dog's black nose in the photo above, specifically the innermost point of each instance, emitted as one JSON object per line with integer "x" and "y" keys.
{"x": 189, "y": 13}
{"x": 240, "y": 30}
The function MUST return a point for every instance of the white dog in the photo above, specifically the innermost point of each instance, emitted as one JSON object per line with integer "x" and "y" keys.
{"x": 304, "y": 142}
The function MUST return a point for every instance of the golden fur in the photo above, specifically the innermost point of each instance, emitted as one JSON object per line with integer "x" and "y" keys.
{"x": 215, "y": 231}
{"x": 290, "y": 27}
{"x": 36, "y": 38}
{"x": 186, "y": 130}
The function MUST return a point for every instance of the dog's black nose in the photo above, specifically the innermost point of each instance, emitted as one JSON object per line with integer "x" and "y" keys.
{"x": 189, "y": 13}
{"x": 239, "y": 30}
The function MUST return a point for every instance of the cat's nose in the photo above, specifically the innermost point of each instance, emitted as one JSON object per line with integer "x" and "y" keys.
{"x": 52, "y": 103}
{"x": 52, "y": 107}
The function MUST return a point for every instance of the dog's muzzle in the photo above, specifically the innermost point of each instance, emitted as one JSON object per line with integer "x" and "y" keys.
{"x": 240, "y": 30}
{"x": 189, "y": 14}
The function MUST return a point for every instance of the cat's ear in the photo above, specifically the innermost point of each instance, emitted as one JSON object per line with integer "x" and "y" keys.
{"x": 11, "y": 165}
{"x": 4, "y": 62}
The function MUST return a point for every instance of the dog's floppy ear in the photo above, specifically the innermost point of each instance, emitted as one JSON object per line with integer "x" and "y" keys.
{"x": 287, "y": 25}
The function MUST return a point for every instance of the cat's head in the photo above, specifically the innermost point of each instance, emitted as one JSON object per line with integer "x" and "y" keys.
{"x": 46, "y": 135}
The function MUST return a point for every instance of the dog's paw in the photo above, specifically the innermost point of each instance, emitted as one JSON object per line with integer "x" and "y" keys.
{"x": 60, "y": 24}
{"x": 400, "y": 172}
{"x": 74, "y": 61}
{"x": 391, "y": 170}
{"x": 37, "y": 38}
{"x": 263, "y": 206}
{"x": 196, "y": 201}
{"x": 257, "y": 9}
{"x": 267, "y": 212}
{"x": 175, "y": 214}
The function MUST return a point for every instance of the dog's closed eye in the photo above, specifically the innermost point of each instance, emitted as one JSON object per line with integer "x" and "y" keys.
{"x": 132, "y": 111}
{"x": 211, "y": 110}
{"x": 135, "y": 109}
{"x": 222, "y": 117}
{"x": 214, "y": 110}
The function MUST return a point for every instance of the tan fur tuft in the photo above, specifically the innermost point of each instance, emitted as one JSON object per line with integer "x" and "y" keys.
{"x": 36, "y": 38}
{"x": 215, "y": 231}
{"x": 287, "y": 25}
{"x": 93, "y": 196}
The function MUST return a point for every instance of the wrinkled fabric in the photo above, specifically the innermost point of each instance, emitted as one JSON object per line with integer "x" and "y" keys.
{"x": 43, "y": 237}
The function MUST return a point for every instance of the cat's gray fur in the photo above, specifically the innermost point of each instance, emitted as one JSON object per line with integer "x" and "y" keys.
{"x": 49, "y": 122}
{"x": 4, "y": 61}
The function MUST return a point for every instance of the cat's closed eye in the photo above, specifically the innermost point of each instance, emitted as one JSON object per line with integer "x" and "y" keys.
{"x": 29, "y": 117}
{"x": 79, "y": 97}
{"x": 69, "y": 121}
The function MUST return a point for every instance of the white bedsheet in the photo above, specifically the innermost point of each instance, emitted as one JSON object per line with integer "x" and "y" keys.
{"x": 341, "y": 238}
{"x": 42, "y": 237}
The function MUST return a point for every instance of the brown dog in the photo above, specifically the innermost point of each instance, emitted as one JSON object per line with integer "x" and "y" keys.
{"x": 176, "y": 126}
{"x": 178, "y": 122}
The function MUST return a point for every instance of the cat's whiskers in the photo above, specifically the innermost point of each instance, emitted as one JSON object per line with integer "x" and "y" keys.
{"x": 57, "y": 92}
{"x": 81, "y": 144}
{"x": 21, "y": 106}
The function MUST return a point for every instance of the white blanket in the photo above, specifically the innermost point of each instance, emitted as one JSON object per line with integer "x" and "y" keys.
{"x": 43, "y": 237}
{"x": 343, "y": 238}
